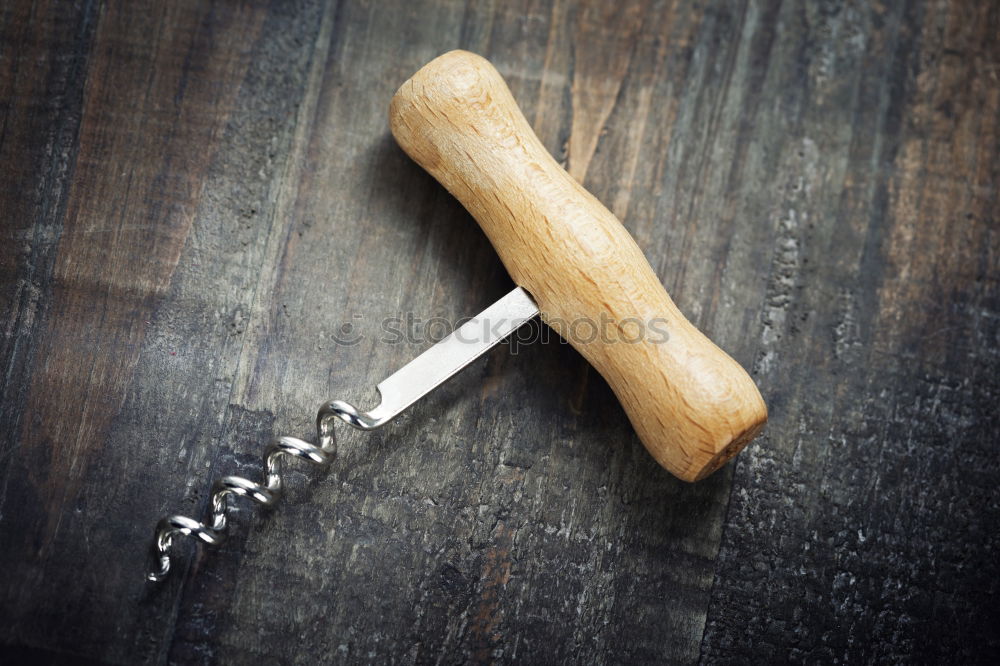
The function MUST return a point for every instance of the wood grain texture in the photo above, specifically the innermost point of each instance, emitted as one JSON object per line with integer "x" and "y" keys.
{"x": 195, "y": 196}
{"x": 692, "y": 405}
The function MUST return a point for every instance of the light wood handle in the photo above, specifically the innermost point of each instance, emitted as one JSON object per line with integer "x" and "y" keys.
{"x": 692, "y": 405}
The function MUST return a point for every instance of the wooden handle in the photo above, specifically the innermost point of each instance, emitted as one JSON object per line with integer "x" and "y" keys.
{"x": 693, "y": 406}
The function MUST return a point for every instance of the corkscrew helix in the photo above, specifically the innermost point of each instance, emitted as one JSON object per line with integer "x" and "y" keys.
{"x": 407, "y": 385}
{"x": 213, "y": 532}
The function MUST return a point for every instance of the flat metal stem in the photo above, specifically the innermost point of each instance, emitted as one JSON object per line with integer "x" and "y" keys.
{"x": 436, "y": 365}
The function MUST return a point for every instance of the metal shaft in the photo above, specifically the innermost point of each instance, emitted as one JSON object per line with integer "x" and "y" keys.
{"x": 439, "y": 363}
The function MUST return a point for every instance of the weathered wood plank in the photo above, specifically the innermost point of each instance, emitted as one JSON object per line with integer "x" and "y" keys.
{"x": 111, "y": 368}
{"x": 862, "y": 530}
{"x": 196, "y": 196}
{"x": 44, "y": 53}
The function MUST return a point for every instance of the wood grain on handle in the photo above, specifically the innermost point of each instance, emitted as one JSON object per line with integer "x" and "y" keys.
{"x": 692, "y": 405}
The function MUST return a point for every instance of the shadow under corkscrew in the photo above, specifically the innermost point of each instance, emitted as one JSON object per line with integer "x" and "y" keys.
{"x": 213, "y": 533}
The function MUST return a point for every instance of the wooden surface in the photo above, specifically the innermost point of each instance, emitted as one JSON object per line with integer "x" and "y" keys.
{"x": 195, "y": 197}
{"x": 691, "y": 404}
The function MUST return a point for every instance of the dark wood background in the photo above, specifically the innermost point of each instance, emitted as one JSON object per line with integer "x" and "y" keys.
{"x": 196, "y": 195}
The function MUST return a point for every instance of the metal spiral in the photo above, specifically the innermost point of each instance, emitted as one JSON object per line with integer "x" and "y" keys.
{"x": 213, "y": 531}
{"x": 400, "y": 390}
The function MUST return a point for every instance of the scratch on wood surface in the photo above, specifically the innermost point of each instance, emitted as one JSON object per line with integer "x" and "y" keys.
{"x": 598, "y": 76}
{"x": 484, "y": 630}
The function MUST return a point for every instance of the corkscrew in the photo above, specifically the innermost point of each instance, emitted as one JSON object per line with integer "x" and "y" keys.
{"x": 213, "y": 533}
{"x": 692, "y": 405}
